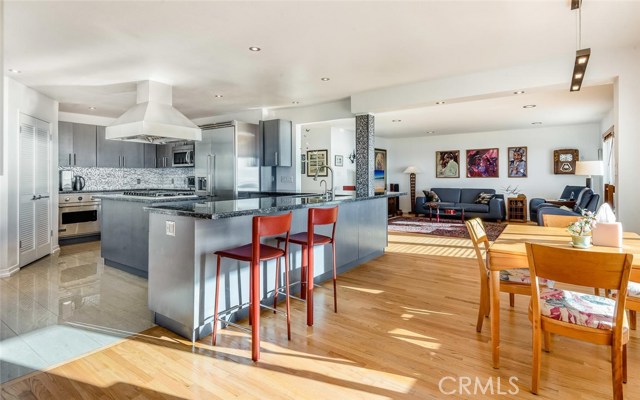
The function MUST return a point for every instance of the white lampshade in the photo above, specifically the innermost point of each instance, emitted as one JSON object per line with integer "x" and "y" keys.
{"x": 589, "y": 168}
{"x": 411, "y": 170}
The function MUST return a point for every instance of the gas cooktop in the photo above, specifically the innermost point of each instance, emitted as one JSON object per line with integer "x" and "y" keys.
{"x": 157, "y": 193}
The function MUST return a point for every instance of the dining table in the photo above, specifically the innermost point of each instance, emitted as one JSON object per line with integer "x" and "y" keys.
{"x": 508, "y": 251}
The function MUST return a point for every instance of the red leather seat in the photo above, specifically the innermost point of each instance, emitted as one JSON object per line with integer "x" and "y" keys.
{"x": 243, "y": 253}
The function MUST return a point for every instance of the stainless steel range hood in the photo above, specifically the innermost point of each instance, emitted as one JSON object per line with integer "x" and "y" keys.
{"x": 153, "y": 119}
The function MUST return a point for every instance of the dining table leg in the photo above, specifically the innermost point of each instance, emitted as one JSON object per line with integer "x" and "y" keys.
{"x": 494, "y": 283}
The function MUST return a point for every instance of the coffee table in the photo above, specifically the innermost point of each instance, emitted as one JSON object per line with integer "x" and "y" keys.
{"x": 448, "y": 208}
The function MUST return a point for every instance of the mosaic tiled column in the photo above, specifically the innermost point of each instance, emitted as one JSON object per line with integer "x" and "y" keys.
{"x": 365, "y": 155}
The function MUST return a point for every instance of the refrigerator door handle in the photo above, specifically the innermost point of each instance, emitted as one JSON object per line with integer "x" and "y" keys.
{"x": 276, "y": 156}
{"x": 213, "y": 177}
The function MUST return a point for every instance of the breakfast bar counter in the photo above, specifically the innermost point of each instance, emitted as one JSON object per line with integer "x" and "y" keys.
{"x": 183, "y": 237}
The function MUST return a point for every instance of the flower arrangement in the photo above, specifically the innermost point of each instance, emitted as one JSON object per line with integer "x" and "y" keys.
{"x": 584, "y": 225}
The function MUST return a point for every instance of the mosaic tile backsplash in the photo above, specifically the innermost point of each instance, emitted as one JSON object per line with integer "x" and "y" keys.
{"x": 128, "y": 178}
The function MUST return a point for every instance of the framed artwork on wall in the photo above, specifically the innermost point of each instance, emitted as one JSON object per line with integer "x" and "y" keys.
{"x": 380, "y": 170}
{"x": 517, "y": 162}
{"x": 482, "y": 163}
{"x": 316, "y": 159}
{"x": 448, "y": 164}
{"x": 564, "y": 161}
{"x": 338, "y": 161}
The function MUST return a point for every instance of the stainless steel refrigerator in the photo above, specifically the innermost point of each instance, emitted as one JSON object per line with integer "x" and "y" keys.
{"x": 227, "y": 160}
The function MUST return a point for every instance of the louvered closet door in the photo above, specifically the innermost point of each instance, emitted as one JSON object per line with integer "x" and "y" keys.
{"x": 42, "y": 177}
{"x": 35, "y": 201}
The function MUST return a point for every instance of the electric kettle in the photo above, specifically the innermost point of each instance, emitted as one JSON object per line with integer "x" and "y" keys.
{"x": 78, "y": 183}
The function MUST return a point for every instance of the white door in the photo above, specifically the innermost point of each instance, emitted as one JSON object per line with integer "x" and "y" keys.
{"x": 34, "y": 190}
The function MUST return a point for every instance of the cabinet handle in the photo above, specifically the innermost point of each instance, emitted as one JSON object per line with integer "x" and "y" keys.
{"x": 119, "y": 161}
{"x": 276, "y": 155}
{"x": 74, "y": 159}
{"x": 124, "y": 162}
{"x": 69, "y": 159}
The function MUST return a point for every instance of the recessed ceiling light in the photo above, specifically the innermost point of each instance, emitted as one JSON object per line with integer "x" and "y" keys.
{"x": 15, "y": 71}
{"x": 92, "y": 108}
{"x": 396, "y": 120}
{"x": 536, "y": 123}
{"x": 518, "y": 92}
{"x": 578, "y": 75}
{"x": 295, "y": 102}
{"x": 529, "y": 106}
{"x": 324, "y": 79}
{"x": 430, "y": 132}
{"x": 439, "y": 102}
{"x": 217, "y": 96}
{"x": 253, "y": 48}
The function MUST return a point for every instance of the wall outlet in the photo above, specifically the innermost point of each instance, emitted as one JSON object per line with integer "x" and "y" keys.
{"x": 172, "y": 181}
{"x": 138, "y": 181}
{"x": 286, "y": 179}
{"x": 170, "y": 228}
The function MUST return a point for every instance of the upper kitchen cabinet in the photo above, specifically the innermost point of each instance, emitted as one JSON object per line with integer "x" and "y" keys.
{"x": 164, "y": 155}
{"x": 117, "y": 153}
{"x": 76, "y": 145}
{"x": 150, "y": 155}
{"x": 276, "y": 139}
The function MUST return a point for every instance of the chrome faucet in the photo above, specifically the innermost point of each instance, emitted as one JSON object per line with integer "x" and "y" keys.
{"x": 325, "y": 187}
{"x": 328, "y": 193}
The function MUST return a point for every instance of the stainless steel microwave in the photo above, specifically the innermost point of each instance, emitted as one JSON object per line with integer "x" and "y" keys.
{"x": 183, "y": 156}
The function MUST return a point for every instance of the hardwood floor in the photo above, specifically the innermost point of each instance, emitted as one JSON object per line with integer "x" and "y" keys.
{"x": 405, "y": 328}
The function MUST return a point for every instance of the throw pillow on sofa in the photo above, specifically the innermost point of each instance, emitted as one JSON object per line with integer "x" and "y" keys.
{"x": 484, "y": 198}
{"x": 431, "y": 196}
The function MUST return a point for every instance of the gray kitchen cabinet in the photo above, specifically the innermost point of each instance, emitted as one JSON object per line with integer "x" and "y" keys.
{"x": 150, "y": 155}
{"x": 76, "y": 145}
{"x": 276, "y": 139}
{"x": 118, "y": 153}
{"x": 132, "y": 155}
{"x": 164, "y": 155}
{"x": 109, "y": 151}
{"x": 84, "y": 145}
{"x": 65, "y": 144}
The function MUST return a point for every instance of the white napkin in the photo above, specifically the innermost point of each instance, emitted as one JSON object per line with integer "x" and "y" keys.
{"x": 605, "y": 214}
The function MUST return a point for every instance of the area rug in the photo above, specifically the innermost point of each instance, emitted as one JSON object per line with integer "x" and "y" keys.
{"x": 446, "y": 227}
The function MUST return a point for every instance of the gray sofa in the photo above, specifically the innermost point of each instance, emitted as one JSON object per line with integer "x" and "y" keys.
{"x": 465, "y": 198}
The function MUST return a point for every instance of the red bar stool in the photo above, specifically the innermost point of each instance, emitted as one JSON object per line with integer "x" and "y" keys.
{"x": 307, "y": 240}
{"x": 256, "y": 252}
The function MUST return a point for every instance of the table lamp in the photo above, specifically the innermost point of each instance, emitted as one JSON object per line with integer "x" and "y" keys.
{"x": 589, "y": 168}
{"x": 412, "y": 171}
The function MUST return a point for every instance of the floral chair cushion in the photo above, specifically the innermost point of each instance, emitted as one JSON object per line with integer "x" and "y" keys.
{"x": 518, "y": 275}
{"x": 577, "y": 308}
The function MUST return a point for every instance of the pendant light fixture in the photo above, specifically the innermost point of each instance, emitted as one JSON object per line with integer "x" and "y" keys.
{"x": 582, "y": 55}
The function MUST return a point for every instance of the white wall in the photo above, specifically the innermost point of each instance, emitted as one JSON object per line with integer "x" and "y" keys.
{"x": 540, "y": 143}
{"x": 22, "y": 99}
{"x": 343, "y": 143}
{"x": 316, "y": 138}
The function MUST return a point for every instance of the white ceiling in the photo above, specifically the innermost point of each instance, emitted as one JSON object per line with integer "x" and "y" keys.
{"x": 92, "y": 53}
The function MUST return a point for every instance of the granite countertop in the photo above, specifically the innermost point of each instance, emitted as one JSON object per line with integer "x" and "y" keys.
{"x": 119, "y": 190}
{"x": 207, "y": 209}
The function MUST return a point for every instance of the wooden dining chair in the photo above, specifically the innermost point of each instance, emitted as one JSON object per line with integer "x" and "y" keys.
{"x": 586, "y": 317}
{"x": 558, "y": 221}
{"x": 633, "y": 297}
{"x": 513, "y": 281}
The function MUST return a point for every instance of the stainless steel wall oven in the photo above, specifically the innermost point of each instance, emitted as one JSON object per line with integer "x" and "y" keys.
{"x": 78, "y": 215}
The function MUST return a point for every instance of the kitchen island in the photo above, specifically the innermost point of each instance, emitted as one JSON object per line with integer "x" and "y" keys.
{"x": 125, "y": 230}
{"x": 183, "y": 237}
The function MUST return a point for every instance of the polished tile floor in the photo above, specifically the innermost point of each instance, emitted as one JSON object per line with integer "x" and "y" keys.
{"x": 66, "y": 305}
